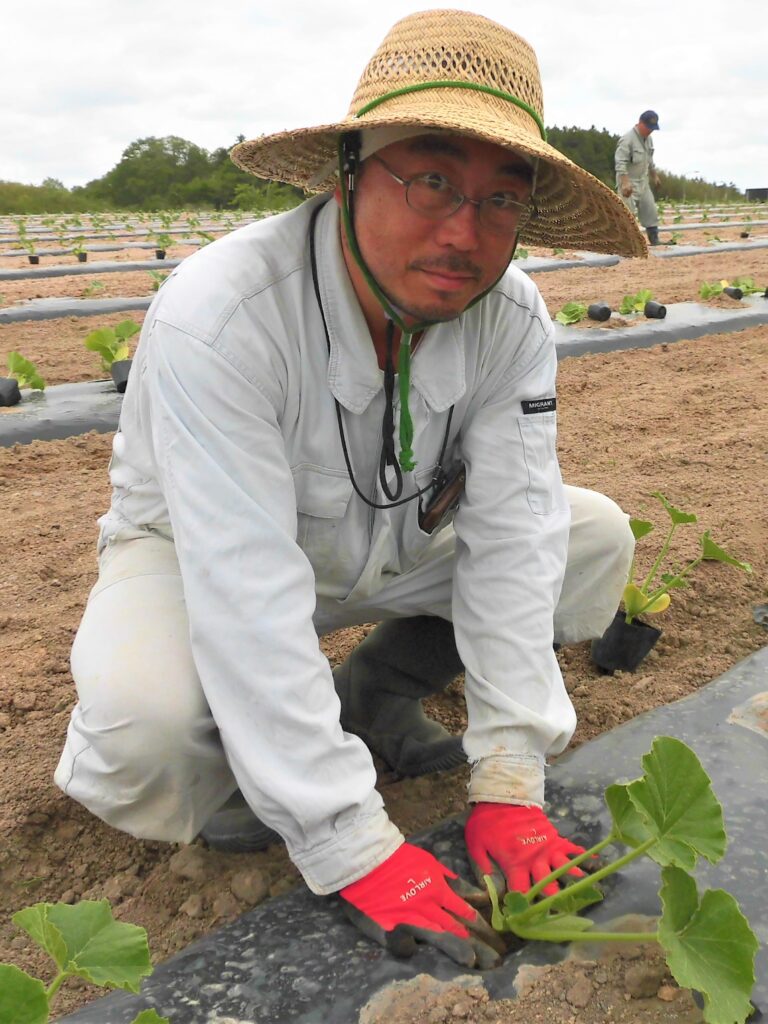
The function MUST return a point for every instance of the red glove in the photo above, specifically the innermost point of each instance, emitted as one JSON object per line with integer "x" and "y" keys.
{"x": 517, "y": 846}
{"x": 408, "y": 898}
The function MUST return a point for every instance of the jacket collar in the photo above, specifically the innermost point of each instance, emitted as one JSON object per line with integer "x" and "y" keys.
{"x": 438, "y": 366}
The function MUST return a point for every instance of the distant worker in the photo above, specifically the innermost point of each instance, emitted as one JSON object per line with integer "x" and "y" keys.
{"x": 634, "y": 166}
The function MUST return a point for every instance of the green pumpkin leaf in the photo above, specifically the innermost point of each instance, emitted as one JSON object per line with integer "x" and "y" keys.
{"x": 712, "y": 552}
{"x": 675, "y": 800}
{"x": 636, "y": 601}
{"x": 640, "y": 528}
{"x": 85, "y": 940}
{"x": 709, "y": 946}
{"x": 126, "y": 329}
{"x": 25, "y": 372}
{"x": 34, "y": 921}
{"x": 629, "y": 827}
{"x": 572, "y": 903}
{"x": 23, "y": 999}
{"x": 571, "y": 313}
{"x": 675, "y": 514}
{"x": 515, "y": 902}
{"x": 150, "y": 1017}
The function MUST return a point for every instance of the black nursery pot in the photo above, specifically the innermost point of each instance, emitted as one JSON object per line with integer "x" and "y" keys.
{"x": 744, "y": 234}
{"x": 734, "y": 293}
{"x": 655, "y": 310}
{"x": 81, "y": 256}
{"x": 622, "y": 647}
{"x": 9, "y": 391}
{"x": 600, "y": 311}
{"x": 120, "y": 370}
{"x": 33, "y": 258}
{"x": 159, "y": 254}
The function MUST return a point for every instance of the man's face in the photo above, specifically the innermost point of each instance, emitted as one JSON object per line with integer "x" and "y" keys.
{"x": 432, "y": 269}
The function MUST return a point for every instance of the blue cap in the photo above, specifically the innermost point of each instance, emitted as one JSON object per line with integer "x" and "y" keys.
{"x": 650, "y": 119}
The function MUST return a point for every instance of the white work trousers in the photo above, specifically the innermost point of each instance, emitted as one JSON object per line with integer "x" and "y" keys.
{"x": 143, "y": 752}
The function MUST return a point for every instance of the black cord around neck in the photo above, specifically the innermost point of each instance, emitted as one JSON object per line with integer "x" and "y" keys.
{"x": 395, "y": 498}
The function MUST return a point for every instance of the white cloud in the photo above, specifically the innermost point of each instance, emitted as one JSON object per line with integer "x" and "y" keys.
{"x": 82, "y": 80}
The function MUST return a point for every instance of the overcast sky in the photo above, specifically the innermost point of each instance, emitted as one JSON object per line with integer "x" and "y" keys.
{"x": 80, "y": 80}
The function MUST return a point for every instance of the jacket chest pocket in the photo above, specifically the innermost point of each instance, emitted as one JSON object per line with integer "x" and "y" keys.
{"x": 322, "y": 500}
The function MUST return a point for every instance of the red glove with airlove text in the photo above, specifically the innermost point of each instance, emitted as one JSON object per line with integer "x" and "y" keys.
{"x": 412, "y": 898}
{"x": 517, "y": 846}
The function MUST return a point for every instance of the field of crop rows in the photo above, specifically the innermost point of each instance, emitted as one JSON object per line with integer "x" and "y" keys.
{"x": 686, "y": 417}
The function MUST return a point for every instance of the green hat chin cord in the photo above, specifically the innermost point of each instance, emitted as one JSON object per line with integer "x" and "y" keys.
{"x": 347, "y": 172}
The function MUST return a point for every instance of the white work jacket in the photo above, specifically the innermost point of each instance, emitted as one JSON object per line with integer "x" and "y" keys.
{"x": 229, "y": 444}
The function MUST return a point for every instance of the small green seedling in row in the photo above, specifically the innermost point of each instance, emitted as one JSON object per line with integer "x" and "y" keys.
{"x": 558, "y": 252}
{"x": 708, "y": 290}
{"x": 84, "y": 941}
{"x": 112, "y": 342}
{"x": 636, "y": 303}
{"x": 571, "y": 313}
{"x": 671, "y": 815}
{"x": 747, "y": 285}
{"x": 163, "y": 241}
{"x": 25, "y": 372}
{"x": 521, "y": 254}
{"x": 649, "y": 597}
{"x": 674, "y": 238}
{"x": 93, "y": 289}
{"x": 158, "y": 278}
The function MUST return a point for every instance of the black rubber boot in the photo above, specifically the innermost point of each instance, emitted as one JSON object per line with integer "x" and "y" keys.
{"x": 653, "y": 235}
{"x": 234, "y": 828}
{"x": 380, "y": 686}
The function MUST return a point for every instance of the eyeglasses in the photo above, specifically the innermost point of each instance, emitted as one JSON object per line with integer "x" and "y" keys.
{"x": 435, "y": 197}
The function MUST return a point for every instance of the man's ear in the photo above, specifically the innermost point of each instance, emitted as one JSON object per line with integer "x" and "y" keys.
{"x": 337, "y": 195}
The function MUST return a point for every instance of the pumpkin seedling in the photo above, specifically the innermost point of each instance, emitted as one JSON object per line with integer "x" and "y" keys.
{"x": 93, "y": 289}
{"x": 746, "y": 285}
{"x": 671, "y": 815}
{"x": 636, "y": 303}
{"x": 78, "y": 248}
{"x": 163, "y": 242}
{"x": 649, "y": 596}
{"x": 111, "y": 343}
{"x": 158, "y": 278}
{"x": 84, "y": 941}
{"x": 21, "y": 374}
{"x": 571, "y": 313}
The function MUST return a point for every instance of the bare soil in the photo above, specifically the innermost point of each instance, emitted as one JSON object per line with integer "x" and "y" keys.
{"x": 688, "y": 418}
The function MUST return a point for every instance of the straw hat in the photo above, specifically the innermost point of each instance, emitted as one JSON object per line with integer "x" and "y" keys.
{"x": 492, "y": 91}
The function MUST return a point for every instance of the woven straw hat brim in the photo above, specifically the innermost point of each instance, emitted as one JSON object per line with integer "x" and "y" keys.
{"x": 492, "y": 92}
{"x": 574, "y": 209}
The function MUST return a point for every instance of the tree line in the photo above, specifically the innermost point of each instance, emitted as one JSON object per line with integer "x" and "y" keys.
{"x": 173, "y": 173}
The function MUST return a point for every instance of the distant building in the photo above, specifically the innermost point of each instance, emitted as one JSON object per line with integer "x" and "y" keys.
{"x": 757, "y": 195}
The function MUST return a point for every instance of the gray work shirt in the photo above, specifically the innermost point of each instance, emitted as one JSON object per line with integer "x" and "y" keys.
{"x": 634, "y": 157}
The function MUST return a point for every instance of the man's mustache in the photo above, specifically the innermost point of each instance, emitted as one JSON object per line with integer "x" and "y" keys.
{"x": 453, "y": 263}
